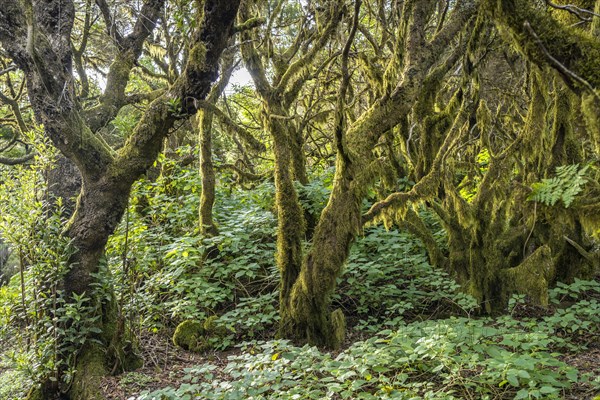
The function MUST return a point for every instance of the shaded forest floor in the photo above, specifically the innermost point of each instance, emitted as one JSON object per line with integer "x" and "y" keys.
{"x": 165, "y": 365}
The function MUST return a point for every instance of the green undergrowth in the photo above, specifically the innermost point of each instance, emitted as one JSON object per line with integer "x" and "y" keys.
{"x": 419, "y": 336}
{"x": 413, "y": 334}
{"x": 178, "y": 275}
{"x": 13, "y": 384}
{"x": 453, "y": 358}
{"x": 388, "y": 280}
{"x": 34, "y": 309}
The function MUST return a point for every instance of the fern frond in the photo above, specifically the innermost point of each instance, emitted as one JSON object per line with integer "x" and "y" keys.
{"x": 565, "y": 186}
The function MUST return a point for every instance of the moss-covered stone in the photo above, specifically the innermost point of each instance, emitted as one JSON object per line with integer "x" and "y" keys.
{"x": 189, "y": 335}
{"x": 199, "y": 336}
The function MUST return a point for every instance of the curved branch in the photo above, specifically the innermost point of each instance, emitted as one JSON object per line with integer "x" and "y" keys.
{"x": 8, "y": 69}
{"x": 592, "y": 258}
{"x": 244, "y": 174}
{"x": 427, "y": 186}
{"x": 18, "y": 160}
{"x": 130, "y": 48}
{"x": 341, "y": 100}
{"x": 181, "y": 101}
{"x": 111, "y": 26}
{"x": 567, "y": 73}
{"x": 573, "y": 9}
{"x": 298, "y": 68}
{"x": 16, "y": 110}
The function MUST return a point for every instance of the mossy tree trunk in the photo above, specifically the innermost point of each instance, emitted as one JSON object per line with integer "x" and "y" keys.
{"x": 293, "y": 67}
{"x": 207, "y": 169}
{"x": 500, "y": 243}
{"x": 64, "y": 181}
{"x": 207, "y": 173}
{"x": 547, "y": 42}
{"x": 572, "y": 51}
{"x": 37, "y": 37}
{"x": 99, "y": 209}
{"x": 595, "y": 29}
{"x": 307, "y": 315}
{"x": 290, "y": 218}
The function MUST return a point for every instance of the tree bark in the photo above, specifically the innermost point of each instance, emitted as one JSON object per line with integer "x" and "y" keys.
{"x": 64, "y": 181}
{"x": 207, "y": 169}
{"x": 207, "y": 172}
{"x": 545, "y": 41}
{"x": 305, "y": 312}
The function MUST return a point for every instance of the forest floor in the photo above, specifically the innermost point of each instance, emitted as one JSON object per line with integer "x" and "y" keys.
{"x": 585, "y": 361}
{"x": 412, "y": 334}
{"x": 165, "y": 364}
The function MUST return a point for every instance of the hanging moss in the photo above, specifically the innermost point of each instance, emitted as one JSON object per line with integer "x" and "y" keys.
{"x": 482, "y": 240}
{"x": 590, "y": 217}
{"x": 484, "y": 117}
{"x": 413, "y": 222}
{"x": 198, "y": 53}
{"x": 561, "y": 133}
{"x": 567, "y": 18}
{"x": 576, "y": 50}
{"x": 590, "y": 108}
{"x": 595, "y": 28}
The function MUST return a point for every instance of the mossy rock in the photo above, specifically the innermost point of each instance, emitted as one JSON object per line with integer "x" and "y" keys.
{"x": 199, "y": 336}
{"x": 213, "y": 328}
{"x": 189, "y": 335}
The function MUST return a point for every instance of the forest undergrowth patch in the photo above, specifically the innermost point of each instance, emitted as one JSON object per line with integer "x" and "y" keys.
{"x": 453, "y": 358}
{"x": 412, "y": 333}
